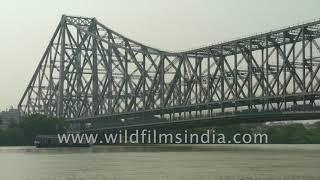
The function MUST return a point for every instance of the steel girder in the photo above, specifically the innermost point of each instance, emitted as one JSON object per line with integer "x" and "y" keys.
{"x": 89, "y": 71}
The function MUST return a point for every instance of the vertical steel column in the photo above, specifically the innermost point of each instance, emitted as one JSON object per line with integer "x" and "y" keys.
{"x": 184, "y": 85}
{"x": 267, "y": 70}
{"x": 78, "y": 71}
{"x": 144, "y": 85}
{"x": 95, "y": 87}
{"x": 179, "y": 93}
{"x": 294, "y": 67}
{"x": 144, "y": 81}
{"x": 109, "y": 75}
{"x": 311, "y": 63}
{"x": 200, "y": 83}
{"x": 50, "y": 85}
{"x": 39, "y": 91}
{"x": 304, "y": 66}
{"x": 126, "y": 79}
{"x": 250, "y": 74}
{"x": 197, "y": 79}
{"x": 180, "y": 83}
{"x": 222, "y": 73}
{"x": 262, "y": 75}
{"x": 162, "y": 83}
{"x": 208, "y": 85}
{"x": 60, "y": 107}
{"x": 235, "y": 79}
{"x": 278, "y": 78}
{"x": 285, "y": 69}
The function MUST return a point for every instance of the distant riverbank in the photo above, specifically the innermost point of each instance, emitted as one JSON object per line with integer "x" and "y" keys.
{"x": 24, "y": 133}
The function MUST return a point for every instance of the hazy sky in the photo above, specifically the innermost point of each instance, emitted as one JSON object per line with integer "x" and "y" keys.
{"x": 27, "y": 26}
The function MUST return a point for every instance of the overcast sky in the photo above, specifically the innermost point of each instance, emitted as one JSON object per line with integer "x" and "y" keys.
{"x": 27, "y": 26}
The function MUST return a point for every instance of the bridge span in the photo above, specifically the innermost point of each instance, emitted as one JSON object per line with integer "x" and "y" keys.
{"x": 90, "y": 74}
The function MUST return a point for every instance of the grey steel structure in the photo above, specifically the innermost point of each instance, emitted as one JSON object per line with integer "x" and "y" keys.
{"x": 90, "y": 73}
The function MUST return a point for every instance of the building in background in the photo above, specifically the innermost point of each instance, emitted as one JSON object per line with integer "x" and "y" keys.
{"x": 9, "y": 117}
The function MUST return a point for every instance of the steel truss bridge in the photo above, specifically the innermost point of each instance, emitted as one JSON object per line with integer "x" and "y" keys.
{"x": 90, "y": 74}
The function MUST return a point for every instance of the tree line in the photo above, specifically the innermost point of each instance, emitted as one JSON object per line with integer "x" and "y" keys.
{"x": 33, "y": 125}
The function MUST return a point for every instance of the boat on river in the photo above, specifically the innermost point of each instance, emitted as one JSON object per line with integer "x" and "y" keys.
{"x": 48, "y": 141}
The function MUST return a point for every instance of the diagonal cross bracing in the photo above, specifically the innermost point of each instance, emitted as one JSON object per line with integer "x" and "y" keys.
{"x": 90, "y": 71}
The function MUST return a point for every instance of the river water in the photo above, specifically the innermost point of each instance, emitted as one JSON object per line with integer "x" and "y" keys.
{"x": 221, "y": 162}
